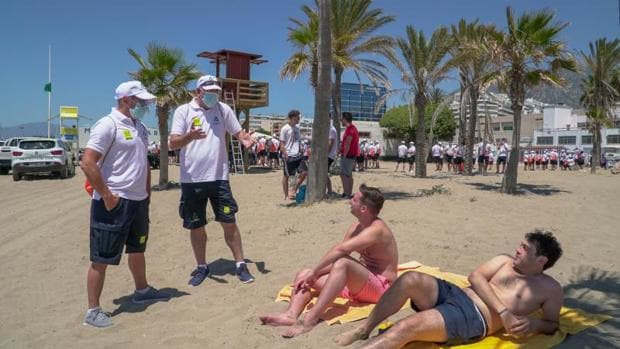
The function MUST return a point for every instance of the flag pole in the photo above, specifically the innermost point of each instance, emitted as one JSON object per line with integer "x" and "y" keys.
{"x": 49, "y": 93}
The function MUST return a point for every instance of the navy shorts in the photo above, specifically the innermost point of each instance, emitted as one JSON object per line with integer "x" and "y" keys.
{"x": 464, "y": 322}
{"x": 411, "y": 159}
{"x": 194, "y": 198}
{"x": 295, "y": 165}
{"x": 501, "y": 160}
{"x": 126, "y": 225}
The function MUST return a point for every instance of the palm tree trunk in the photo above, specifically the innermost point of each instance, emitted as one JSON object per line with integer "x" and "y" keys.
{"x": 420, "y": 138}
{"x": 317, "y": 170}
{"x": 517, "y": 95}
{"x": 462, "y": 113}
{"x": 162, "y": 119}
{"x": 471, "y": 131}
{"x": 336, "y": 98}
{"x": 596, "y": 147}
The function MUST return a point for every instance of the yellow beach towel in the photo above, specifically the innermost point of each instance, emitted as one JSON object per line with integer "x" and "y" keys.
{"x": 571, "y": 320}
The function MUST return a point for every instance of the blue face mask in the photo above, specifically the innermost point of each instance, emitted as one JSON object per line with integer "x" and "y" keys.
{"x": 209, "y": 99}
{"x": 139, "y": 111}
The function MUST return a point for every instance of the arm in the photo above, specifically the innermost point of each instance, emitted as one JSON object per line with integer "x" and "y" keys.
{"x": 283, "y": 147}
{"x": 549, "y": 321}
{"x": 244, "y": 138}
{"x": 180, "y": 141}
{"x": 347, "y": 145}
{"x": 479, "y": 280}
{"x": 93, "y": 174}
{"x": 148, "y": 178}
{"x": 364, "y": 239}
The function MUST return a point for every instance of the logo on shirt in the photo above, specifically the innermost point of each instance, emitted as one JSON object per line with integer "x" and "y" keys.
{"x": 216, "y": 120}
{"x": 127, "y": 135}
{"x": 196, "y": 122}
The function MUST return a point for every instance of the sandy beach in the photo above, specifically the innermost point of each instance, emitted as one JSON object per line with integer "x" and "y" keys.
{"x": 44, "y": 255}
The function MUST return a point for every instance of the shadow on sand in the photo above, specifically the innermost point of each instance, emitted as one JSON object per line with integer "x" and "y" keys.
{"x": 523, "y": 189}
{"x": 596, "y": 291}
{"x": 222, "y": 266}
{"x": 125, "y": 305}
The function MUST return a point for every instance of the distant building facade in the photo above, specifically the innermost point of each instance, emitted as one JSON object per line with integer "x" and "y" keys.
{"x": 361, "y": 101}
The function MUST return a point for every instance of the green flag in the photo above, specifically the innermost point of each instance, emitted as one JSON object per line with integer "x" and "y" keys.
{"x": 48, "y": 87}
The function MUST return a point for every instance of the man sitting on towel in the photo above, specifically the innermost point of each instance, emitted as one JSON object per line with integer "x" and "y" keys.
{"x": 338, "y": 274}
{"x": 504, "y": 292}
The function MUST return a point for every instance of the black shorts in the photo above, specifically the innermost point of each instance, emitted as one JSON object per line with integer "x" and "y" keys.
{"x": 273, "y": 155}
{"x": 482, "y": 159}
{"x": 194, "y": 198}
{"x": 463, "y": 320}
{"x": 295, "y": 165}
{"x": 501, "y": 160}
{"x": 579, "y": 161}
{"x": 449, "y": 158}
{"x": 458, "y": 160}
{"x": 438, "y": 159}
{"x": 360, "y": 159}
{"x": 399, "y": 160}
{"x": 126, "y": 225}
{"x": 411, "y": 159}
{"x": 330, "y": 161}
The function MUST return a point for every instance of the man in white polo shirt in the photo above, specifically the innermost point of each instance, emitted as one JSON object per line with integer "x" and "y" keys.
{"x": 290, "y": 146}
{"x": 199, "y": 130}
{"x": 115, "y": 163}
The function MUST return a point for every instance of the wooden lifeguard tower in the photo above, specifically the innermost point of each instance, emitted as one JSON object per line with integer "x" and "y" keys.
{"x": 247, "y": 94}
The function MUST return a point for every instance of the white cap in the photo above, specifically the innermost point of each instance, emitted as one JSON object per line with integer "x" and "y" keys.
{"x": 208, "y": 82}
{"x": 411, "y": 142}
{"x": 133, "y": 88}
{"x": 402, "y": 142}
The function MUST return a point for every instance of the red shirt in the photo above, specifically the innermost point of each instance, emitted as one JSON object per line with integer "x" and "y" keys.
{"x": 354, "y": 148}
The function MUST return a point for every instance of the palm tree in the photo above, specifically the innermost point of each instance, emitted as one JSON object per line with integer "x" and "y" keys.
{"x": 531, "y": 54}
{"x": 474, "y": 52}
{"x": 165, "y": 74}
{"x": 352, "y": 26}
{"x": 424, "y": 65}
{"x": 602, "y": 69}
{"x": 317, "y": 176}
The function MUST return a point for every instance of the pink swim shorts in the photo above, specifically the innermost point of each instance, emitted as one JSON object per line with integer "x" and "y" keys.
{"x": 374, "y": 288}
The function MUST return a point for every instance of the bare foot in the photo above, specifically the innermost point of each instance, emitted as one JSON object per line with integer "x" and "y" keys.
{"x": 278, "y": 319}
{"x": 350, "y": 337}
{"x": 297, "y": 329}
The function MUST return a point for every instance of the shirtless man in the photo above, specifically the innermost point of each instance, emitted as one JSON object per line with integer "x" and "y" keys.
{"x": 338, "y": 274}
{"x": 504, "y": 292}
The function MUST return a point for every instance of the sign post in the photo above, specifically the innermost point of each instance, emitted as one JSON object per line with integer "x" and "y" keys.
{"x": 70, "y": 134}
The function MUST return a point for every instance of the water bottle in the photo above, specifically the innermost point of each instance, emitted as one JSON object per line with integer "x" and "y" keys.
{"x": 300, "y": 196}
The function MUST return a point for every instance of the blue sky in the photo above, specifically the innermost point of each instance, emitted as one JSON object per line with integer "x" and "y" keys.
{"x": 90, "y": 40}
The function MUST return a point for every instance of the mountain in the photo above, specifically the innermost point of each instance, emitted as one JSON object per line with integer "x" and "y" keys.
{"x": 567, "y": 95}
{"x": 36, "y": 129}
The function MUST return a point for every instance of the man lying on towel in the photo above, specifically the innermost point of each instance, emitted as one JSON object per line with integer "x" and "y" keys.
{"x": 504, "y": 292}
{"x": 338, "y": 274}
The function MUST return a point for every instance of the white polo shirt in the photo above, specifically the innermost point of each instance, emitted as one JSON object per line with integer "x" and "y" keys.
{"x": 204, "y": 160}
{"x": 402, "y": 151}
{"x": 124, "y": 169}
{"x": 291, "y": 137}
{"x": 333, "y": 136}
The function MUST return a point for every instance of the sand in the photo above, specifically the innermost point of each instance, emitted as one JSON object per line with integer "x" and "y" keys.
{"x": 44, "y": 255}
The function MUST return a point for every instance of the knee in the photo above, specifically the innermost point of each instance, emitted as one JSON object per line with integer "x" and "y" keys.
{"x": 409, "y": 280}
{"x": 341, "y": 264}
{"x": 302, "y": 273}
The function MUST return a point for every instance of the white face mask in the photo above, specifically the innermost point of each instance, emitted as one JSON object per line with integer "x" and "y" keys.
{"x": 139, "y": 111}
{"x": 210, "y": 99}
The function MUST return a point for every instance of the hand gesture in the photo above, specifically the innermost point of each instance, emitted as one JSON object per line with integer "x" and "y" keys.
{"x": 196, "y": 133}
{"x": 305, "y": 281}
{"x": 514, "y": 325}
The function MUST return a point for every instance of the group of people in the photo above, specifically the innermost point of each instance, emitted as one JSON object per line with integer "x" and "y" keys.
{"x": 115, "y": 164}
{"x": 484, "y": 155}
{"x": 552, "y": 159}
{"x": 369, "y": 154}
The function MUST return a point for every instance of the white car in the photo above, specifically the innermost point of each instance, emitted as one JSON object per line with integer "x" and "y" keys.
{"x": 42, "y": 156}
{"x": 5, "y": 153}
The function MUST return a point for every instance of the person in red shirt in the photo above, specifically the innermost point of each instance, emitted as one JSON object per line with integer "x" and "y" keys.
{"x": 349, "y": 149}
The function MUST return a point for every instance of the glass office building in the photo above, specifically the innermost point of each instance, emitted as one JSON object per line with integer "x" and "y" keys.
{"x": 361, "y": 100}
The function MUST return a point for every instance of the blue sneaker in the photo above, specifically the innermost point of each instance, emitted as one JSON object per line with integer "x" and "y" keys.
{"x": 152, "y": 295}
{"x": 244, "y": 274}
{"x": 199, "y": 275}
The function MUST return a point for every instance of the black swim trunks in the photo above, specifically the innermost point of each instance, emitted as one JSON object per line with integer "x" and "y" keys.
{"x": 464, "y": 321}
{"x": 194, "y": 198}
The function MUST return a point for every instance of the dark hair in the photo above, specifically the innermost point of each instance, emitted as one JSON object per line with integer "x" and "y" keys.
{"x": 347, "y": 116}
{"x": 372, "y": 197}
{"x": 293, "y": 113}
{"x": 546, "y": 245}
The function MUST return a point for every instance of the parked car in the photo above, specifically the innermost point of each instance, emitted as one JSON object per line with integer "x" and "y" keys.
{"x": 6, "y": 153}
{"x": 43, "y": 156}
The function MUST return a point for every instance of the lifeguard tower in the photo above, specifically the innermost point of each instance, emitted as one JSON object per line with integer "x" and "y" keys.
{"x": 238, "y": 90}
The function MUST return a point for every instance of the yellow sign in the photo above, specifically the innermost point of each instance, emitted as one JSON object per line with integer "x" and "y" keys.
{"x": 68, "y": 131}
{"x": 68, "y": 112}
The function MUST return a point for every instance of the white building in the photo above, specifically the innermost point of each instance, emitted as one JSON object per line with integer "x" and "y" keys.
{"x": 563, "y": 126}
